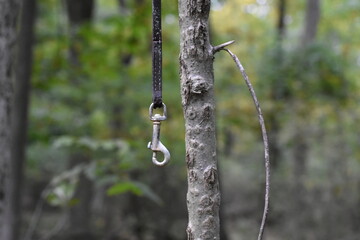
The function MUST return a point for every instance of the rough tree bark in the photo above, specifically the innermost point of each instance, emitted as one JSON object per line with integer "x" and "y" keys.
{"x": 197, "y": 92}
{"x": 8, "y": 19}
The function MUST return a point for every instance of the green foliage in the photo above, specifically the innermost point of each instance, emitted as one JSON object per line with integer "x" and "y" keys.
{"x": 137, "y": 188}
{"x": 123, "y": 187}
{"x": 91, "y": 144}
{"x": 313, "y": 73}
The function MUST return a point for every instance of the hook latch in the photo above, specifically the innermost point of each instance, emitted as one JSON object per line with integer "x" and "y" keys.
{"x": 155, "y": 145}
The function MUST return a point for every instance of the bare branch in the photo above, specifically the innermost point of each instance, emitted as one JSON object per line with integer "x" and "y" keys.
{"x": 35, "y": 218}
{"x": 265, "y": 140}
{"x": 57, "y": 228}
{"x": 222, "y": 46}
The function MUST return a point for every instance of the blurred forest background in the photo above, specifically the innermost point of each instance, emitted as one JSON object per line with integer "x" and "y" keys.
{"x": 88, "y": 174}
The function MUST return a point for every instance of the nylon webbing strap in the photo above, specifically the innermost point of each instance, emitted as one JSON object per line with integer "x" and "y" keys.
{"x": 157, "y": 54}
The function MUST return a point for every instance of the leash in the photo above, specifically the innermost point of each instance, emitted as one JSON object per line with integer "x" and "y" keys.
{"x": 157, "y": 54}
{"x": 155, "y": 145}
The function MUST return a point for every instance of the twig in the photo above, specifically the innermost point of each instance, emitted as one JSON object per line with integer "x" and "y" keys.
{"x": 57, "y": 228}
{"x": 265, "y": 139}
{"x": 35, "y": 218}
{"x": 221, "y": 46}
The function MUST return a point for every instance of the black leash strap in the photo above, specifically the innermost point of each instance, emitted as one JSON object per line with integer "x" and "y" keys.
{"x": 157, "y": 54}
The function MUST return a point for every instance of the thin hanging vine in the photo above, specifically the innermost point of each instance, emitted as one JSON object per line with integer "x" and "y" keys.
{"x": 263, "y": 131}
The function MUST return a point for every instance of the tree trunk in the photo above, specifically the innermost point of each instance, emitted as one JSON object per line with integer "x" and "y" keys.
{"x": 281, "y": 28}
{"x": 301, "y": 147}
{"x": 80, "y": 214}
{"x": 19, "y": 116}
{"x": 8, "y": 19}
{"x": 299, "y": 192}
{"x": 277, "y": 90}
{"x": 197, "y": 92}
{"x": 79, "y": 12}
{"x": 311, "y": 22}
{"x": 122, "y": 6}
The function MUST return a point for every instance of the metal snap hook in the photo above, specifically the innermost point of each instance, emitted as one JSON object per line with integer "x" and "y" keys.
{"x": 160, "y": 148}
{"x": 155, "y": 145}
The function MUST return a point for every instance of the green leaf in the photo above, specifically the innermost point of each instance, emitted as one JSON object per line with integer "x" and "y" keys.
{"x": 124, "y": 187}
{"x": 138, "y": 188}
{"x": 73, "y": 202}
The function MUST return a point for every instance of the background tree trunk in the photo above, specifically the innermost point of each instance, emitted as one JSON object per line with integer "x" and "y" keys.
{"x": 300, "y": 153}
{"x": 301, "y": 146}
{"x": 311, "y": 22}
{"x": 80, "y": 214}
{"x": 8, "y": 19}
{"x": 281, "y": 27}
{"x": 79, "y": 12}
{"x": 20, "y": 114}
{"x": 277, "y": 90}
{"x": 197, "y": 92}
